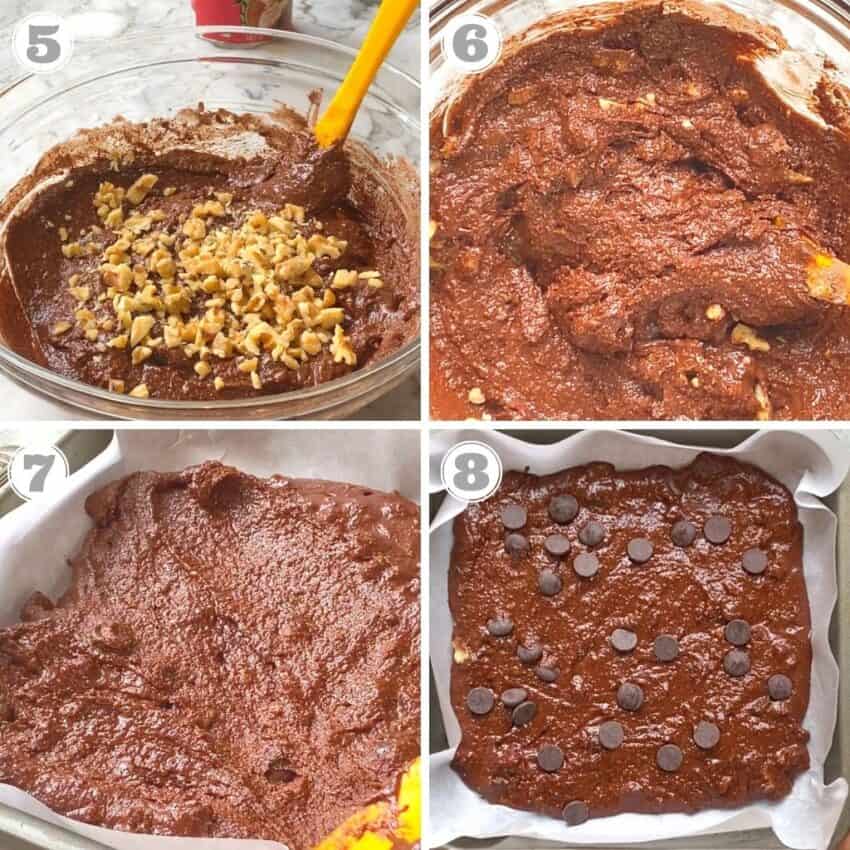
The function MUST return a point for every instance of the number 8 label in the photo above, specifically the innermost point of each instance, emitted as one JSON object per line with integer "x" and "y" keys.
{"x": 471, "y": 471}
{"x": 471, "y": 43}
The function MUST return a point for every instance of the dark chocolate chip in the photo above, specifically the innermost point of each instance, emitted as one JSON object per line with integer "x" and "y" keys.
{"x": 738, "y": 632}
{"x": 754, "y": 561}
{"x": 500, "y": 626}
{"x": 279, "y": 772}
{"x": 737, "y": 663}
{"x": 514, "y": 517}
{"x": 556, "y": 545}
{"x": 640, "y": 550}
{"x": 524, "y": 713}
{"x": 717, "y": 529}
{"x": 550, "y": 758}
{"x": 7, "y": 712}
{"x": 592, "y": 533}
{"x": 623, "y": 640}
{"x": 480, "y": 700}
{"x": 706, "y": 735}
{"x": 630, "y": 696}
{"x": 683, "y": 533}
{"x": 546, "y": 674}
{"x": 576, "y": 813}
{"x": 779, "y": 687}
{"x": 529, "y": 654}
{"x": 563, "y": 509}
{"x": 516, "y": 545}
{"x": 586, "y": 565}
{"x": 611, "y": 735}
{"x": 669, "y": 758}
{"x": 666, "y": 648}
{"x": 549, "y": 583}
{"x": 512, "y": 697}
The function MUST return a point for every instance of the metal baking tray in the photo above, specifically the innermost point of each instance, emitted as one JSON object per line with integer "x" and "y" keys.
{"x": 838, "y": 762}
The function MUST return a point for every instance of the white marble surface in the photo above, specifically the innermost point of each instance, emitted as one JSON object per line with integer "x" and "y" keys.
{"x": 96, "y": 20}
{"x": 344, "y": 21}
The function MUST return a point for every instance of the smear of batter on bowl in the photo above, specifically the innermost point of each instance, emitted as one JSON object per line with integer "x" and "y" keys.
{"x": 630, "y": 222}
{"x": 209, "y": 256}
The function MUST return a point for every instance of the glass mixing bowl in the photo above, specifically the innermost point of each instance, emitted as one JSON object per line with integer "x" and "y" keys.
{"x": 813, "y": 27}
{"x": 156, "y": 75}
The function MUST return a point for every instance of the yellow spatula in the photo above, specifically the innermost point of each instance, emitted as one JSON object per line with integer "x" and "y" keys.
{"x": 391, "y": 19}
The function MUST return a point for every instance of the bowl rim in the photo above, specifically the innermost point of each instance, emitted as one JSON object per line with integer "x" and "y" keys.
{"x": 11, "y": 361}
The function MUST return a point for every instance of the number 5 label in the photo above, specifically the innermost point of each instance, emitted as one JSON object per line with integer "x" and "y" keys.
{"x": 42, "y": 43}
{"x": 471, "y": 471}
{"x": 37, "y": 471}
{"x": 472, "y": 43}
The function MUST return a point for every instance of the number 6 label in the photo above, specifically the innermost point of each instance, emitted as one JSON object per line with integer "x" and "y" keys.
{"x": 42, "y": 43}
{"x": 38, "y": 471}
{"x": 472, "y": 43}
{"x": 471, "y": 471}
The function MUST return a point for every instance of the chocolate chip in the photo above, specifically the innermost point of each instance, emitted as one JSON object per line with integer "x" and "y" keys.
{"x": 754, "y": 561}
{"x": 576, "y": 813}
{"x": 669, "y": 758}
{"x": 611, "y": 735}
{"x": 666, "y": 648}
{"x": 556, "y": 545}
{"x": 480, "y": 700}
{"x": 516, "y": 545}
{"x": 563, "y": 509}
{"x": 630, "y": 696}
{"x": 779, "y": 687}
{"x": 279, "y": 772}
{"x": 737, "y": 663}
{"x": 500, "y": 626}
{"x": 683, "y": 533}
{"x": 738, "y": 632}
{"x": 514, "y": 516}
{"x": 586, "y": 565}
{"x": 623, "y": 640}
{"x": 706, "y": 735}
{"x": 529, "y": 654}
{"x": 549, "y": 583}
{"x": 717, "y": 529}
{"x": 524, "y": 713}
{"x": 550, "y": 758}
{"x": 512, "y": 697}
{"x": 592, "y": 534}
{"x": 640, "y": 550}
{"x": 546, "y": 674}
{"x": 7, "y": 712}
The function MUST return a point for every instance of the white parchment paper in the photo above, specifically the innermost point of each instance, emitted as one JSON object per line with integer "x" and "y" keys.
{"x": 811, "y": 466}
{"x": 37, "y": 538}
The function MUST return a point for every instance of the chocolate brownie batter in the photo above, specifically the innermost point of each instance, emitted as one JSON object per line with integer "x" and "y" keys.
{"x": 236, "y": 657}
{"x": 668, "y": 670}
{"x": 630, "y": 223}
{"x": 198, "y": 228}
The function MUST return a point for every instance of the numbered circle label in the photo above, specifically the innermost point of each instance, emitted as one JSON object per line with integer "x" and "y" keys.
{"x": 42, "y": 43}
{"x": 472, "y": 43}
{"x": 38, "y": 471}
{"x": 471, "y": 471}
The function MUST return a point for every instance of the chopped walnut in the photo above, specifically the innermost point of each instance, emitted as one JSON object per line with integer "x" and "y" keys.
{"x": 744, "y": 335}
{"x": 476, "y": 396}
{"x": 214, "y": 289}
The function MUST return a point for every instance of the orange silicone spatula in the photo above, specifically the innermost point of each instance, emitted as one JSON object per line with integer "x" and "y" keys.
{"x": 391, "y": 19}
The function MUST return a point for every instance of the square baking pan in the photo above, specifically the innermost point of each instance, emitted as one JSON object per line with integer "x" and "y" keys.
{"x": 838, "y": 761}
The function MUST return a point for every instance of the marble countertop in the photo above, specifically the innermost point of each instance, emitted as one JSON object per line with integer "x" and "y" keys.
{"x": 96, "y": 20}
